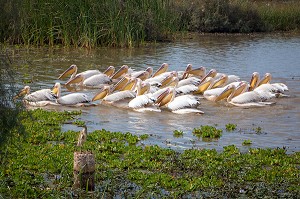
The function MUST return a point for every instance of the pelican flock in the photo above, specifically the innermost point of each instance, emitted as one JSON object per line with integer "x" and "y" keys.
{"x": 179, "y": 92}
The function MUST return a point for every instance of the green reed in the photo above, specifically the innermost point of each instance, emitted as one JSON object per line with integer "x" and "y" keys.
{"x": 92, "y": 23}
{"x": 127, "y": 23}
{"x": 281, "y": 15}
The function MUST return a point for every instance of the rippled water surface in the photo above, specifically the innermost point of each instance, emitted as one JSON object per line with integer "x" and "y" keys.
{"x": 236, "y": 54}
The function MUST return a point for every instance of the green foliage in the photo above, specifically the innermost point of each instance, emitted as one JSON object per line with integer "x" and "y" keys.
{"x": 230, "y": 127}
{"x": 40, "y": 166}
{"x": 247, "y": 142}
{"x": 207, "y": 131}
{"x": 258, "y": 130}
{"x": 127, "y": 23}
{"x": 177, "y": 133}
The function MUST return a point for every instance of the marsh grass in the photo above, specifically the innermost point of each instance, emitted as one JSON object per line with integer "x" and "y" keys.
{"x": 120, "y": 23}
{"x": 39, "y": 165}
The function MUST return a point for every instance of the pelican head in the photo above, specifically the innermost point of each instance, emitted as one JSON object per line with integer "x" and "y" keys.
{"x": 199, "y": 72}
{"x": 131, "y": 84}
{"x": 120, "y": 72}
{"x": 211, "y": 73}
{"x": 187, "y": 70}
{"x": 204, "y": 85}
{"x": 24, "y": 91}
{"x": 75, "y": 80}
{"x": 219, "y": 82}
{"x": 174, "y": 82}
{"x": 142, "y": 87}
{"x": 121, "y": 83}
{"x": 72, "y": 70}
{"x": 254, "y": 81}
{"x": 144, "y": 75}
{"x": 149, "y": 70}
{"x": 267, "y": 78}
{"x": 241, "y": 88}
{"x": 165, "y": 97}
{"x": 226, "y": 93}
{"x": 109, "y": 71}
{"x": 167, "y": 80}
{"x": 163, "y": 68}
{"x": 145, "y": 87}
{"x": 102, "y": 93}
{"x": 56, "y": 89}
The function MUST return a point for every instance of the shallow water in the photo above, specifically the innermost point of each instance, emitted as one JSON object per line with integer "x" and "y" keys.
{"x": 235, "y": 54}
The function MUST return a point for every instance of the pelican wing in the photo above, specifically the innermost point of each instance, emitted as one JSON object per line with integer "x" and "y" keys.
{"x": 186, "y": 89}
{"x": 188, "y": 110}
{"x": 248, "y": 97}
{"x": 213, "y": 93}
{"x": 89, "y": 73}
{"x": 191, "y": 80}
{"x": 183, "y": 101}
{"x": 114, "y": 97}
{"x": 73, "y": 99}
{"x": 140, "y": 101}
{"x": 97, "y": 80}
{"x": 41, "y": 95}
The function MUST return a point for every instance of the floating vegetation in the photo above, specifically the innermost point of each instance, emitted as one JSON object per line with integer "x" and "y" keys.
{"x": 79, "y": 123}
{"x": 258, "y": 130}
{"x": 230, "y": 127}
{"x": 247, "y": 142}
{"x": 39, "y": 165}
{"x": 177, "y": 133}
{"x": 207, "y": 131}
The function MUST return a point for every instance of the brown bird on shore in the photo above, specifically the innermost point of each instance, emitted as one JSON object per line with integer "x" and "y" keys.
{"x": 82, "y": 137}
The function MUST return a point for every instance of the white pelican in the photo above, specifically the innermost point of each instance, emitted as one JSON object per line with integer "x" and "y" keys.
{"x": 190, "y": 72}
{"x": 162, "y": 69}
{"x": 119, "y": 73}
{"x": 144, "y": 101}
{"x": 214, "y": 74}
{"x": 117, "y": 98}
{"x": 195, "y": 89}
{"x": 181, "y": 104}
{"x": 246, "y": 99}
{"x": 212, "y": 94}
{"x": 72, "y": 70}
{"x": 73, "y": 99}
{"x": 276, "y": 88}
{"x": 37, "y": 96}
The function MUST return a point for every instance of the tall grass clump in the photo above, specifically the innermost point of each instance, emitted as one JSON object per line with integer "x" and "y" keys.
{"x": 92, "y": 23}
{"x": 220, "y": 16}
{"x": 280, "y": 15}
{"x": 10, "y": 21}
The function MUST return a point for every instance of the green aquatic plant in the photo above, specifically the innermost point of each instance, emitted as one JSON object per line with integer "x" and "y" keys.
{"x": 207, "y": 131}
{"x": 230, "y": 127}
{"x": 79, "y": 123}
{"x": 258, "y": 130}
{"x": 247, "y": 142}
{"x": 39, "y": 165}
{"x": 120, "y": 23}
{"x": 177, "y": 133}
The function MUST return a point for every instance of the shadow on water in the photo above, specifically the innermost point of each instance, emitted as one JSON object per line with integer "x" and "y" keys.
{"x": 240, "y": 55}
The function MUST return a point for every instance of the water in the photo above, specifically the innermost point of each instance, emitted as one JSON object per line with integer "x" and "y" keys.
{"x": 235, "y": 54}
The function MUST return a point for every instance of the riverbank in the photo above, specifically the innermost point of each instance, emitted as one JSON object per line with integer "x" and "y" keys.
{"x": 39, "y": 165}
{"x": 133, "y": 23}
